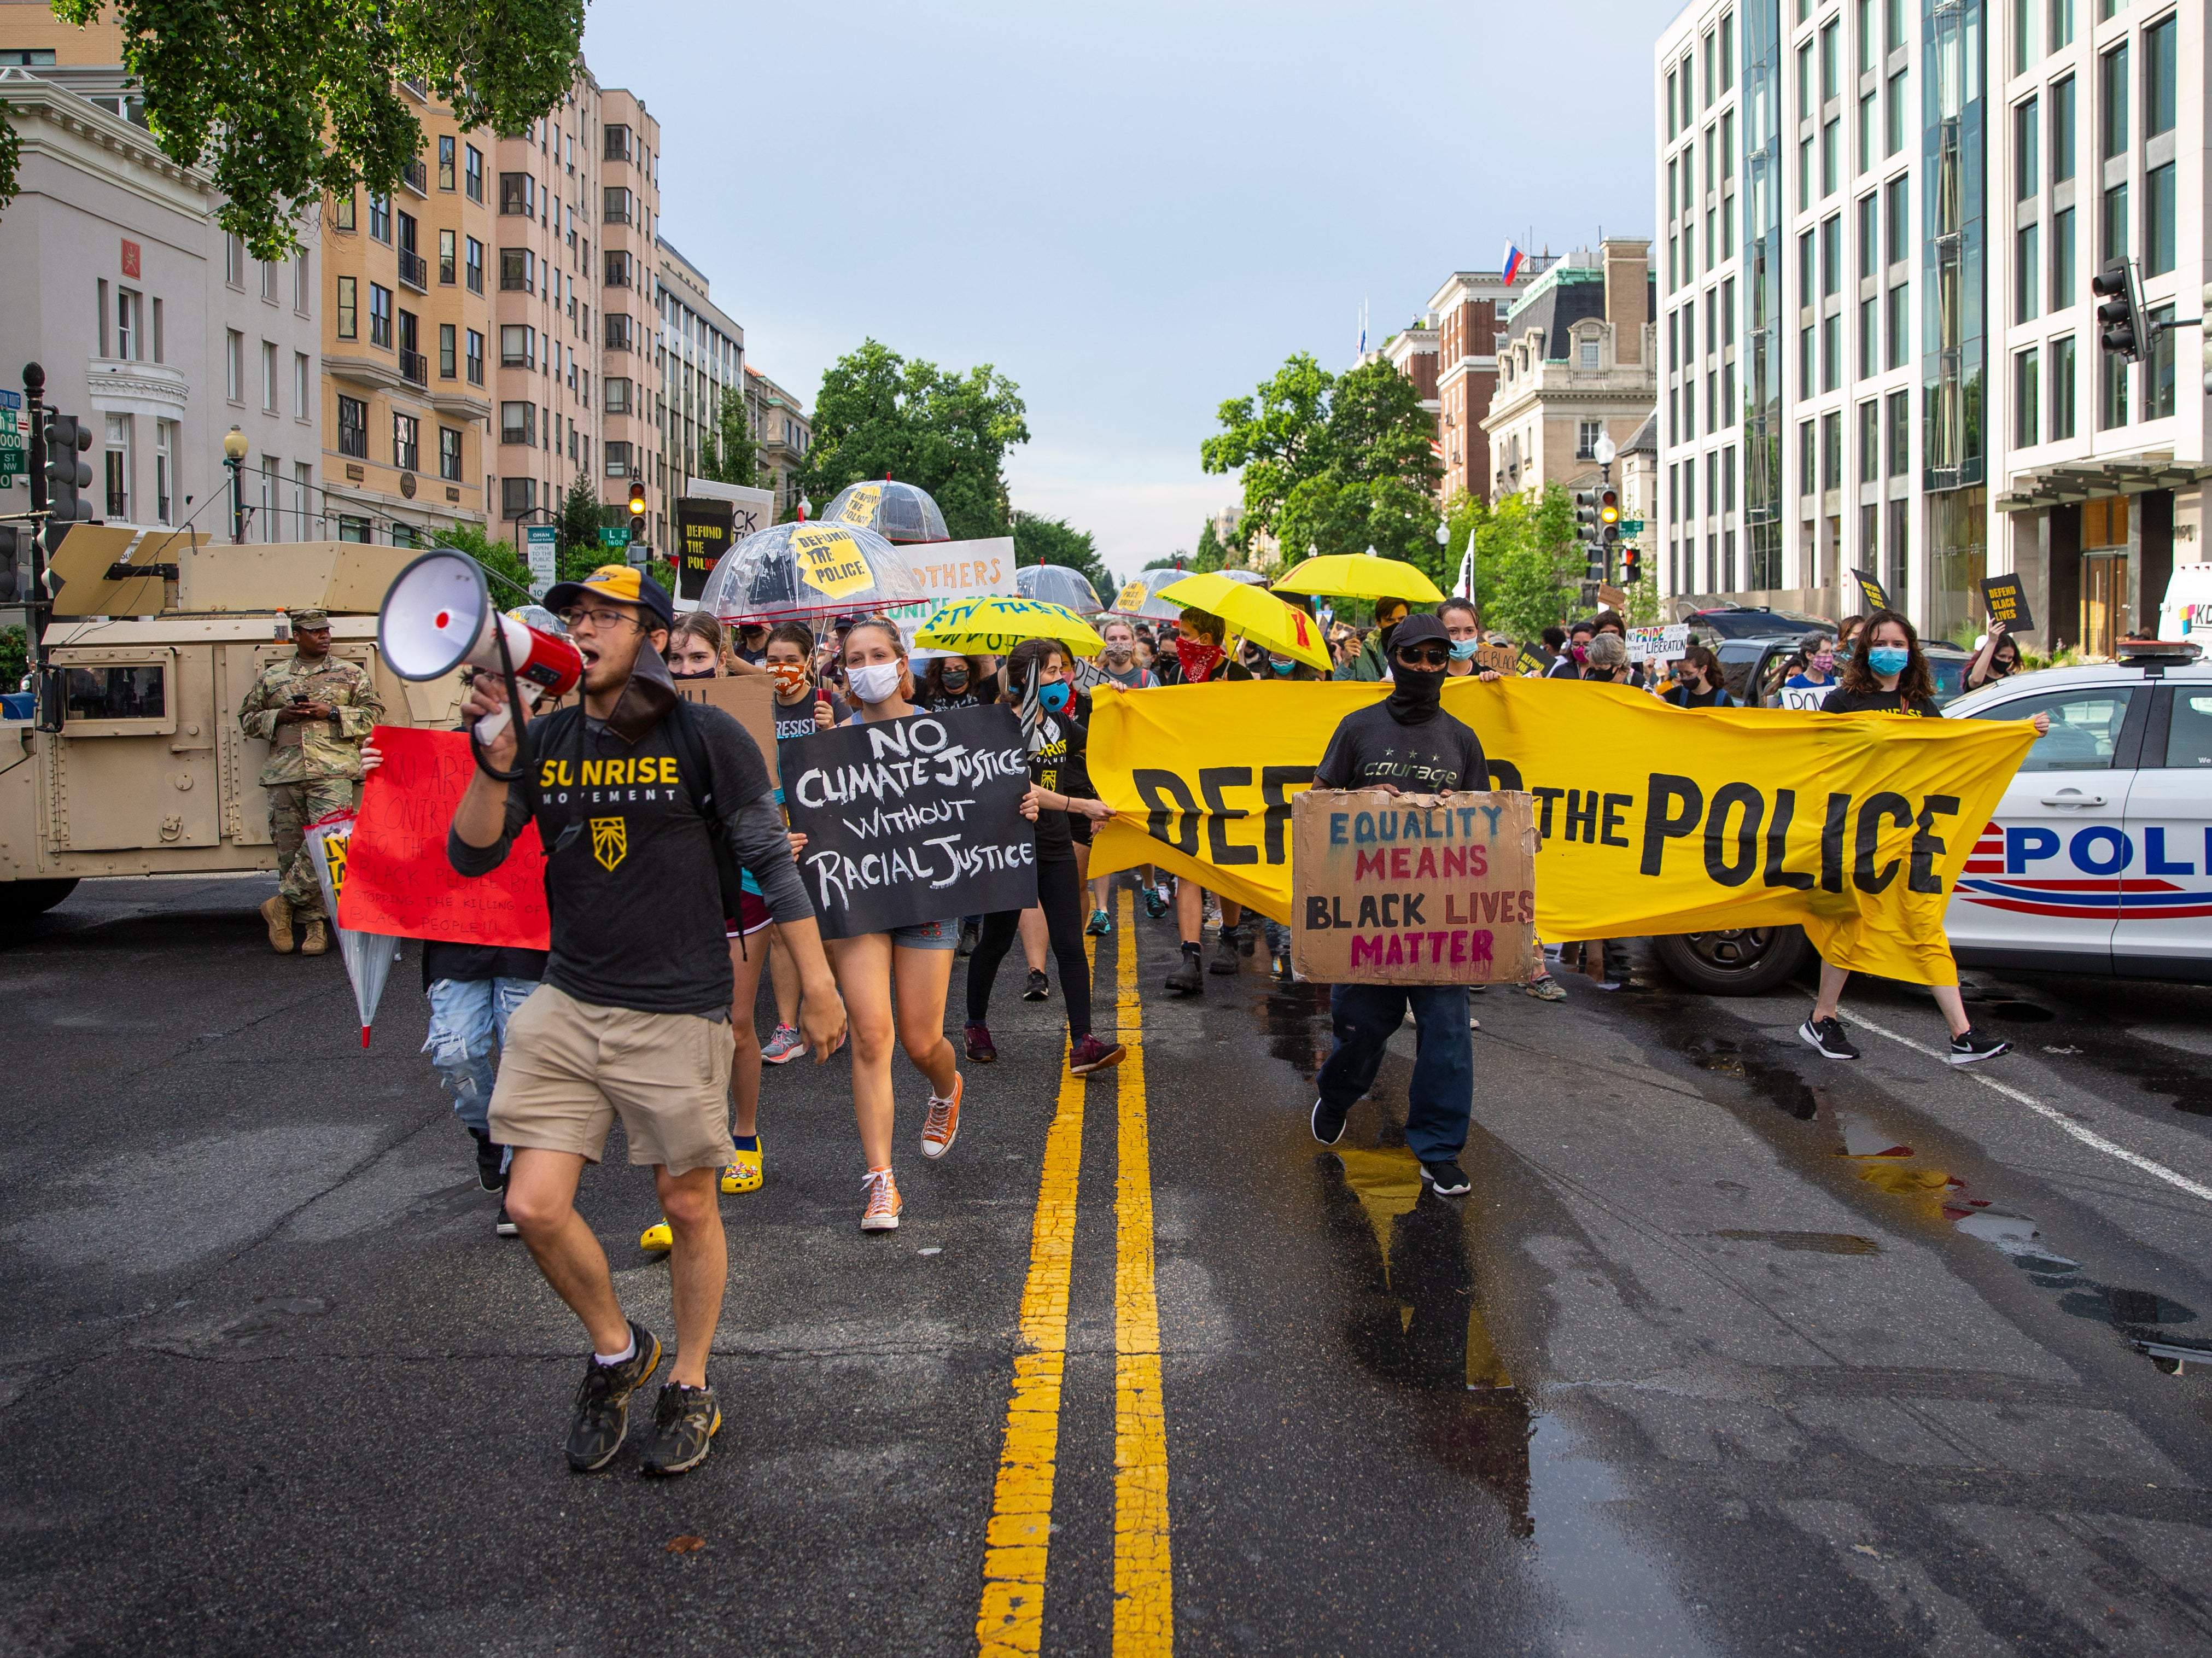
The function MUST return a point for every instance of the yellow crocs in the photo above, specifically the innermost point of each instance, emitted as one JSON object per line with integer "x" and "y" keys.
{"x": 657, "y": 1238}
{"x": 747, "y": 1172}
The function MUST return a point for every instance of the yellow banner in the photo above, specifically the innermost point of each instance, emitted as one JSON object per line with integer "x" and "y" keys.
{"x": 1655, "y": 819}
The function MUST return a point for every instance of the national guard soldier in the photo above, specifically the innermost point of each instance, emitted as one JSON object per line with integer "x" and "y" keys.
{"x": 314, "y": 712}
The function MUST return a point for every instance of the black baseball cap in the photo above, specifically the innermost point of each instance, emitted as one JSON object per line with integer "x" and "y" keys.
{"x": 1420, "y": 629}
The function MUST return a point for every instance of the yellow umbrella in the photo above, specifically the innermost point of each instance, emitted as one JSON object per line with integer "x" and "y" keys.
{"x": 1256, "y": 613}
{"x": 994, "y": 624}
{"x": 1359, "y": 575}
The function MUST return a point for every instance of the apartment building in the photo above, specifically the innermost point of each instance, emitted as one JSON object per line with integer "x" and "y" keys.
{"x": 407, "y": 325}
{"x": 1575, "y": 357}
{"x": 630, "y": 212}
{"x": 549, "y": 427}
{"x": 698, "y": 357}
{"x": 150, "y": 323}
{"x": 1880, "y": 225}
{"x": 1469, "y": 313}
{"x": 781, "y": 429}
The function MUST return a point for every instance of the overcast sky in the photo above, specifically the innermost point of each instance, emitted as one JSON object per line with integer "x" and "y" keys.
{"x": 1134, "y": 210}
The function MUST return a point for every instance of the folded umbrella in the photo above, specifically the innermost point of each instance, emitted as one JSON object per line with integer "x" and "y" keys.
{"x": 369, "y": 956}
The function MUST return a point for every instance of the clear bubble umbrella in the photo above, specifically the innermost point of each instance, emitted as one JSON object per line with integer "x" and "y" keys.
{"x": 791, "y": 572}
{"x": 1055, "y": 583}
{"x": 895, "y": 511}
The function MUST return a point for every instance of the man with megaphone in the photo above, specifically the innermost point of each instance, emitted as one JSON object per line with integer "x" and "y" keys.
{"x": 645, "y": 803}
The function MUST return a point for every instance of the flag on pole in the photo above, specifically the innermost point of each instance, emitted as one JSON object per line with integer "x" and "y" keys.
{"x": 1512, "y": 263}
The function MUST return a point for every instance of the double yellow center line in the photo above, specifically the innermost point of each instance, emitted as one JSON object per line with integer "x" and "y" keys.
{"x": 1018, "y": 1540}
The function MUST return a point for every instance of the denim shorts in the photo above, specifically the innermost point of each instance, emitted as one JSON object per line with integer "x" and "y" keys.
{"x": 928, "y": 935}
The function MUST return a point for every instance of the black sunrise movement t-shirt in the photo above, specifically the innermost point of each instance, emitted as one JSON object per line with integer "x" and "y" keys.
{"x": 1371, "y": 748}
{"x": 1840, "y": 700}
{"x": 634, "y": 902}
{"x": 1062, "y": 766}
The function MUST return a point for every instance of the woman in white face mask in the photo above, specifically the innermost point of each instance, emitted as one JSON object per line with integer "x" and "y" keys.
{"x": 918, "y": 960}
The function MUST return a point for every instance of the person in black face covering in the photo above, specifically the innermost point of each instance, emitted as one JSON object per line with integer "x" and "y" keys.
{"x": 1408, "y": 744}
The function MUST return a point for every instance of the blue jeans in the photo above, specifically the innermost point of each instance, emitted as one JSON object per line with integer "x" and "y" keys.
{"x": 1442, "y": 1091}
{"x": 468, "y": 1022}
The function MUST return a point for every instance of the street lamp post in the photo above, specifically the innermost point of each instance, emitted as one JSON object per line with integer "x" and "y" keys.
{"x": 233, "y": 454}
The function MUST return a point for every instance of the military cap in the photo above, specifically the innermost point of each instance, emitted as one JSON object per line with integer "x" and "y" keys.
{"x": 308, "y": 619}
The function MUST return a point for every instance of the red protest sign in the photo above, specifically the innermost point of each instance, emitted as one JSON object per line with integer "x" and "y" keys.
{"x": 398, "y": 880}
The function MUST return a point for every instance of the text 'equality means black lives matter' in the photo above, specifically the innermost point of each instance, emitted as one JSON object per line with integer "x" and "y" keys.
{"x": 912, "y": 820}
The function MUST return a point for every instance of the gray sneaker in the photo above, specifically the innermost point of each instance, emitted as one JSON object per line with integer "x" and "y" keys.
{"x": 684, "y": 1420}
{"x": 784, "y": 1047}
{"x": 602, "y": 1416}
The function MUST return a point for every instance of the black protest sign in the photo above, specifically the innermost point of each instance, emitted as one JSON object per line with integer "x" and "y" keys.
{"x": 912, "y": 820}
{"x": 2006, "y": 598}
{"x": 705, "y": 526}
{"x": 1870, "y": 588}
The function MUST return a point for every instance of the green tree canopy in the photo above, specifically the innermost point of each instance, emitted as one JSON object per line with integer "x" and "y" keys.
{"x": 1054, "y": 541}
{"x": 285, "y": 101}
{"x": 1526, "y": 566}
{"x": 731, "y": 453}
{"x": 881, "y": 415}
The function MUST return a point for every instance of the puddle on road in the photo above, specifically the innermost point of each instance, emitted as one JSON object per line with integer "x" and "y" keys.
{"x": 1295, "y": 1018}
{"x": 1778, "y": 1085}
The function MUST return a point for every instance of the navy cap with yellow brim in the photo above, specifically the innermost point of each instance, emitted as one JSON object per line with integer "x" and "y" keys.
{"x": 625, "y": 583}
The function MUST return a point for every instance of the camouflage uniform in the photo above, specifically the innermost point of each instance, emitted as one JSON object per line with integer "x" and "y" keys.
{"x": 314, "y": 766}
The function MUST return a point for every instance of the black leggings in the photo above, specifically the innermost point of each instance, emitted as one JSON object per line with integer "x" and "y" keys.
{"x": 1060, "y": 893}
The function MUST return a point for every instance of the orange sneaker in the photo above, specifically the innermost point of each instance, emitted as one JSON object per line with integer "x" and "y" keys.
{"x": 882, "y": 1214}
{"x": 944, "y": 1124}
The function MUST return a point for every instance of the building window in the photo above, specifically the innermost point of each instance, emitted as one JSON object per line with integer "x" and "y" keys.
{"x": 406, "y": 443}
{"x": 517, "y": 271}
{"x": 126, "y": 334}
{"x": 2158, "y": 221}
{"x": 233, "y": 362}
{"x": 1898, "y": 417}
{"x": 475, "y": 265}
{"x": 2063, "y": 391}
{"x": 158, "y": 357}
{"x": 617, "y": 463}
{"x": 1869, "y": 338}
{"x": 617, "y": 143}
{"x": 1869, "y": 442}
{"x": 234, "y": 261}
{"x": 1589, "y": 354}
{"x": 1831, "y": 142}
{"x": 617, "y": 205}
{"x": 302, "y": 387}
{"x": 351, "y": 528}
{"x": 2026, "y": 129}
{"x": 2159, "y": 80}
{"x": 618, "y": 396}
{"x": 2026, "y": 272}
{"x": 342, "y": 211}
{"x": 2158, "y": 365}
{"x": 1586, "y": 435}
{"x": 448, "y": 351}
{"x": 119, "y": 468}
{"x": 518, "y": 346}
{"x": 349, "y": 317}
{"x": 2115, "y": 245}
{"x": 1807, "y": 472}
{"x": 444, "y": 162}
{"x": 303, "y": 486}
{"x": 303, "y": 284}
{"x": 449, "y": 453}
{"x": 472, "y": 172}
{"x": 476, "y": 357}
{"x": 1897, "y": 209}
{"x": 380, "y": 315}
{"x": 165, "y": 472}
{"x": 1866, "y": 134}
{"x": 2062, "y": 259}
{"x": 380, "y": 217}
{"x": 446, "y": 260}
{"x": 353, "y": 427}
{"x": 2111, "y": 391}
{"x": 518, "y": 497}
{"x": 2063, "y": 122}
{"x": 2113, "y": 93}
{"x": 618, "y": 331}
{"x": 1831, "y": 451}
{"x": 518, "y": 194}
{"x": 1892, "y": 136}
{"x": 1831, "y": 351}
{"x": 2027, "y": 398}
{"x": 619, "y": 270}
{"x": 518, "y": 422}
{"x": 269, "y": 373}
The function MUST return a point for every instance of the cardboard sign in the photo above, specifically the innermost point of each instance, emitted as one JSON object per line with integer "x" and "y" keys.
{"x": 1414, "y": 889}
{"x": 1502, "y": 658}
{"x": 397, "y": 879}
{"x": 1666, "y": 644}
{"x": 2006, "y": 598}
{"x": 1614, "y": 599}
{"x": 748, "y": 698}
{"x": 704, "y": 528}
{"x": 1876, "y": 595}
{"x": 912, "y": 820}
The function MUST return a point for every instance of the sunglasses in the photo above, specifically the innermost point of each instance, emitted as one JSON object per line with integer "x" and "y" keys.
{"x": 1425, "y": 656}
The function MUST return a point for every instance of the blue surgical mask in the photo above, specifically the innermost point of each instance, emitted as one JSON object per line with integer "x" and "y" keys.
{"x": 1886, "y": 659}
{"x": 1464, "y": 650}
{"x": 1055, "y": 696}
{"x": 1281, "y": 665}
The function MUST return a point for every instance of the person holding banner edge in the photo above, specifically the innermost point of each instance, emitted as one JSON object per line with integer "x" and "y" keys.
{"x": 1406, "y": 744}
{"x": 1887, "y": 673}
{"x": 632, "y": 1017}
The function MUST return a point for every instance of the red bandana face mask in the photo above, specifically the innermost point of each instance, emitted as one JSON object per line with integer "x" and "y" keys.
{"x": 1198, "y": 659}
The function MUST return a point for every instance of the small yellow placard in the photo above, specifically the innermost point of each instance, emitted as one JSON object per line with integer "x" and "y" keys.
{"x": 831, "y": 559}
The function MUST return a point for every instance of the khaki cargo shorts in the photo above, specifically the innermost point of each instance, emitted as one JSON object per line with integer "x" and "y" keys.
{"x": 569, "y": 1068}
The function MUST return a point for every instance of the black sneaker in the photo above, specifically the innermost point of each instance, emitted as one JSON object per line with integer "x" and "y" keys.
{"x": 1826, "y": 1036}
{"x": 1038, "y": 988}
{"x": 1328, "y": 1121}
{"x": 969, "y": 939}
{"x": 489, "y": 1176}
{"x": 1225, "y": 953}
{"x": 1973, "y": 1047}
{"x": 1186, "y": 980}
{"x": 503, "y": 1226}
{"x": 1448, "y": 1179}
{"x": 683, "y": 1424}
{"x": 602, "y": 1401}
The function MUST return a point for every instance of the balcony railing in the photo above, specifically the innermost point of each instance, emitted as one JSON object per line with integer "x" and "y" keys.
{"x": 414, "y": 366}
{"x": 415, "y": 271}
{"x": 417, "y": 177}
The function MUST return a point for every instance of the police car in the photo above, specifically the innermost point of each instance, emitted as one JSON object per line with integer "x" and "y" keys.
{"x": 2100, "y": 857}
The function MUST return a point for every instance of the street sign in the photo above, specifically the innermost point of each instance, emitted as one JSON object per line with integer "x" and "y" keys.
{"x": 1631, "y": 527}
{"x": 11, "y": 400}
{"x": 544, "y": 541}
{"x": 613, "y": 535}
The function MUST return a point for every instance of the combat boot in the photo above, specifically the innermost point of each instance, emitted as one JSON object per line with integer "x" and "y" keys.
{"x": 277, "y": 913}
{"x": 318, "y": 937}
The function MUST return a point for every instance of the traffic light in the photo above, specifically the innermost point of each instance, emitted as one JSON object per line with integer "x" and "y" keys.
{"x": 66, "y": 437}
{"x": 1608, "y": 507}
{"x": 1590, "y": 530}
{"x": 1631, "y": 565}
{"x": 637, "y": 512}
{"x": 2120, "y": 312}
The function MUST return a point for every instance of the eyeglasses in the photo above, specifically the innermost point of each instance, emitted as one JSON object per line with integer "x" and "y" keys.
{"x": 573, "y": 619}
{"x": 1425, "y": 656}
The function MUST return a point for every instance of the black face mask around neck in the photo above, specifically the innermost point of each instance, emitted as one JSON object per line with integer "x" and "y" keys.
{"x": 1416, "y": 694}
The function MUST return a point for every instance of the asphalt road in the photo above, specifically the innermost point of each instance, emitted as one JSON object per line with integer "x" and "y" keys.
{"x": 1732, "y": 1349}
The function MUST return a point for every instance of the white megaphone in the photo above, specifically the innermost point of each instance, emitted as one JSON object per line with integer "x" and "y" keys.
{"x": 439, "y": 617}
